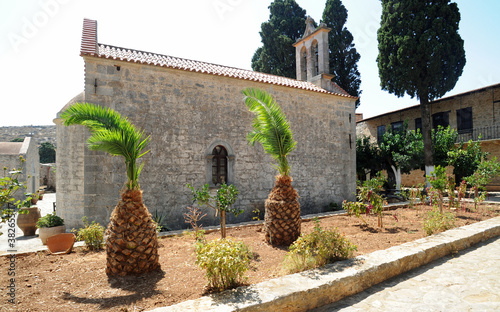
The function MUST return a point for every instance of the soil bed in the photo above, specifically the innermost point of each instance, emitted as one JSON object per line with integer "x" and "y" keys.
{"x": 77, "y": 281}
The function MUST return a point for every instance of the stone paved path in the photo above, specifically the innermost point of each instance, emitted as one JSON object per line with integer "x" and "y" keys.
{"x": 466, "y": 281}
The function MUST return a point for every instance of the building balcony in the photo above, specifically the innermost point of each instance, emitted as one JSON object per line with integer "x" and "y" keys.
{"x": 479, "y": 134}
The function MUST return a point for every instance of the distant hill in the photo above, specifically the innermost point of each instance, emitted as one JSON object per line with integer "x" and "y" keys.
{"x": 39, "y": 133}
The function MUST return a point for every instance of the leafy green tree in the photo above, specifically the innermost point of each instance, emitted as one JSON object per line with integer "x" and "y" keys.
{"x": 466, "y": 159}
{"x": 401, "y": 150}
{"x": 420, "y": 53}
{"x": 131, "y": 236}
{"x": 367, "y": 157}
{"x": 286, "y": 24}
{"x": 17, "y": 140}
{"x": 221, "y": 202}
{"x": 485, "y": 172}
{"x": 47, "y": 152}
{"x": 10, "y": 184}
{"x": 443, "y": 141}
{"x": 343, "y": 55}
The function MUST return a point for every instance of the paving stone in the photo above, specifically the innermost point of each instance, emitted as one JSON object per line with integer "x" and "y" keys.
{"x": 466, "y": 281}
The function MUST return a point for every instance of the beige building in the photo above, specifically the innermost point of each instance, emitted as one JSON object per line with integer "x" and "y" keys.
{"x": 9, "y": 158}
{"x": 475, "y": 114}
{"x": 198, "y": 122}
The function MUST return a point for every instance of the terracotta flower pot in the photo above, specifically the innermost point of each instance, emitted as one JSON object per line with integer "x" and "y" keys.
{"x": 27, "y": 221}
{"x": 61, "y": 243}
{"x": 46, "y": 232}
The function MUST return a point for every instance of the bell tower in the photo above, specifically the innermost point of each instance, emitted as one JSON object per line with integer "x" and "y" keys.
{"x": 312, "y": 55}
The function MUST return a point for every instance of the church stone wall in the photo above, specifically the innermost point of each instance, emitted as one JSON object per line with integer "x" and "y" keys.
{"x": 187, "y": 112}
{"x": 70, "y": 174}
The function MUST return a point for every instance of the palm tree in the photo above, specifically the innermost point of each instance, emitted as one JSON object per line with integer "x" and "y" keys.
{"x": 270, "y": 127}
{"x": 131, "y": 237}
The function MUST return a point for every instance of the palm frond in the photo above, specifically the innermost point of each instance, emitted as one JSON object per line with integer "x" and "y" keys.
{"x": 270, "y": 127}
{"x": 111, "y": 133}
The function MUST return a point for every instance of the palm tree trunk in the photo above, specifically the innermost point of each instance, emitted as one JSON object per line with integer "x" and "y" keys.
{"x": 131, "y": 237}
{"x": 282, "y": 217}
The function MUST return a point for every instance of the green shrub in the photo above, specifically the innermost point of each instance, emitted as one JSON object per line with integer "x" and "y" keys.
{"x": 317, "y": 249}
{"x": 160, "y": 220}
{"x": 92, "y": 234}
{"x": 370, "y": 201}
{"x": 438, "y": 181}
{"x": 333, "y": 207}
{"x": 438, "y": 222}
{"x": 225, "y": 262}
{"x": 49, "y": 220}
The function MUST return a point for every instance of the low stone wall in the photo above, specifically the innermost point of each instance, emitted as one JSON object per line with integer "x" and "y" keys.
{"x": 315, "y": 288}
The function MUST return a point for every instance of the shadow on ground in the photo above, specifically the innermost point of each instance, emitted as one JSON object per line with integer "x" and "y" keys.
{"x": 142, "y": 286}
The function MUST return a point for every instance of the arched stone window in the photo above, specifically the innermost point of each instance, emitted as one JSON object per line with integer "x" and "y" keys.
{"x": 220, "y": 163}
{"x": 315, "y": 58}
{"x": 303, "y": 63}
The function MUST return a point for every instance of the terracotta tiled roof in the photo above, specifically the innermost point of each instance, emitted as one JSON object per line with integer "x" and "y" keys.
{"x": 135, "y": 56}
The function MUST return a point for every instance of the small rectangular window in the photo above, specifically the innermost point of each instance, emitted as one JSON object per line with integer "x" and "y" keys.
{"x": 380, "y": 133}
{"x": 440, "y": 119}
{"x": 464, "y": 120}
{"x": 397, "y": 126}
{"x": 418, "y": 124}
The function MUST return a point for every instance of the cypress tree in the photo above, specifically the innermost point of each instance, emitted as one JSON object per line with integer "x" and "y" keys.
{"x": 286, "y": 24}
{"x": 343, "y": 55}
{"x": 420, "y": 54}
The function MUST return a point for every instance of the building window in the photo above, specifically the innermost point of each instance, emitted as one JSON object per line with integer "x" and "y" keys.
{"x": 464, "y": 120}
{"x": 219, "y": 165}
{"x": 303, "y": 65}
{"x": 440, "y": 119}
{"x": 380, "y": 133}
{"x": 397, "y": 126}
{"x": 418, "y": 124}
{"x": 315, "y": 56}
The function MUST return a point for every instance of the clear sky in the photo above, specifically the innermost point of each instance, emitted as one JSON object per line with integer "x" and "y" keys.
{"x": 41, "y": 70}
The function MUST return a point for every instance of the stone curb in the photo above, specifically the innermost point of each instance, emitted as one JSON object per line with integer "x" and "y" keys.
{"x": 315, "y": 288}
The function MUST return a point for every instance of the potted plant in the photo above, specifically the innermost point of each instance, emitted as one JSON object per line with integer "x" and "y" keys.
{"x": 50, "y": 225}
{"x": 34, "y": 197}
{"x": 40, "y": 193}
{"x": 28, "y": 217}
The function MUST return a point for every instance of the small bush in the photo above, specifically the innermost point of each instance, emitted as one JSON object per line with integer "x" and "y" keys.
{"x": 160, "y": 220}
{"x": 438, "y": 222}
{"x": 333, "y": 207}
{"x": 317, "y": 249}
{"x": 225, "y": 262}
{"x": 92, "y": 234}
{"x": 49, "y": 220}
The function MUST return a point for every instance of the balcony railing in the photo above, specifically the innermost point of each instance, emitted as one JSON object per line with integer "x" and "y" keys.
{"x": 486, "y": 133}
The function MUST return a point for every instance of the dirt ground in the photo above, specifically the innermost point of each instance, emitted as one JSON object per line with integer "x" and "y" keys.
{"x": 77, "y": 281}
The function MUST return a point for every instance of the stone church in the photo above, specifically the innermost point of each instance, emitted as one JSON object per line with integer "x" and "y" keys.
{"x": 198, "y": 122}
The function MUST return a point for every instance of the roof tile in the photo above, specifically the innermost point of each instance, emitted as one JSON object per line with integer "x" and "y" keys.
{"x": 90, "y": 47}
